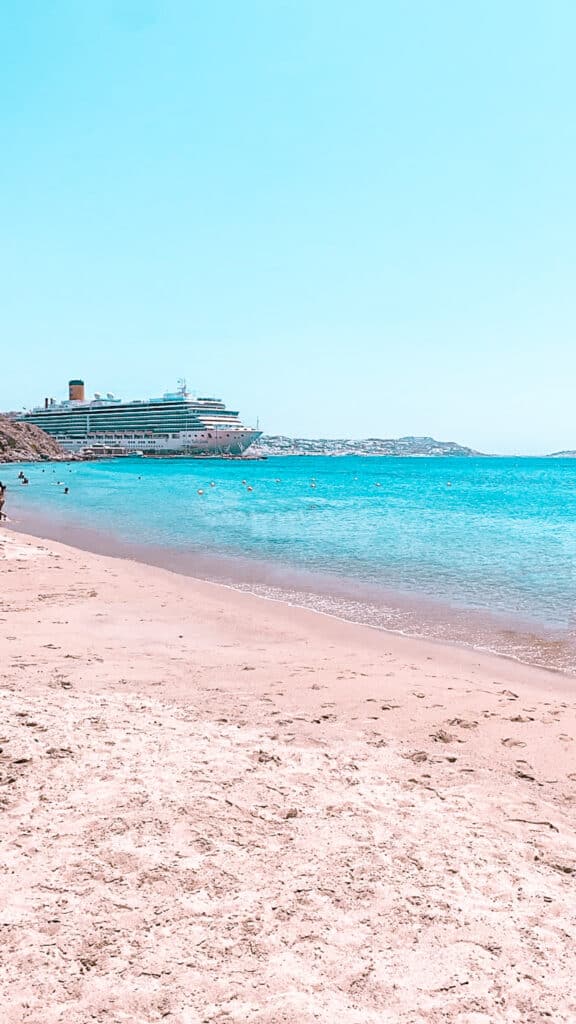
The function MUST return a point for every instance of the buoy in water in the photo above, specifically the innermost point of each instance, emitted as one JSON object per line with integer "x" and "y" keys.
{"x": 249, "y": 488}
{"x": 243, "y": 483}
{"x": 212, "y": 484}
{"x": 200, "y": 491}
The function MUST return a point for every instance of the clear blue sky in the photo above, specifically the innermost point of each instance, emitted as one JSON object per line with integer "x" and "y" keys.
{"x": 345, "y": 218}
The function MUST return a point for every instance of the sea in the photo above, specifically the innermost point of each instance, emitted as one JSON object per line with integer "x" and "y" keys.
{"x": 473, "y": 551}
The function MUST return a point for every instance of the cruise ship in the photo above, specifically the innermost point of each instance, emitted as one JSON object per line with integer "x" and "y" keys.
{"x": 175, "y": 424}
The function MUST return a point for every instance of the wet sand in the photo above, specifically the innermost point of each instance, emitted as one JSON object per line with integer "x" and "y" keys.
{"x": 222, "y": 808}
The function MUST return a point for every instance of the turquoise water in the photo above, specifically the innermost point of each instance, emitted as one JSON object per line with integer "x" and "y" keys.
{"x": 473, "y": 549}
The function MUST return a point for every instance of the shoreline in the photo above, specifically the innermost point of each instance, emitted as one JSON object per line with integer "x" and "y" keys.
{"x": 221, "y": 805}
{"x": 466, "y": 651}
{"x": 360, "y": 634}
{"x": 414, "y": 616}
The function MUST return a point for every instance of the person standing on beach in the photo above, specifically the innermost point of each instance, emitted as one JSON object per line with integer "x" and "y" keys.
{"x": 3, "y": 490}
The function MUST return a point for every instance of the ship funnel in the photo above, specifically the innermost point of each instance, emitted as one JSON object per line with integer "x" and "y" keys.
{"x": 46, "y": 403}
{"x": 76, "y": 390}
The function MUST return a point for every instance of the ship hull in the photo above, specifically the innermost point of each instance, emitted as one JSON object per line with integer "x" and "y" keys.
{"x": 233, "y": 442}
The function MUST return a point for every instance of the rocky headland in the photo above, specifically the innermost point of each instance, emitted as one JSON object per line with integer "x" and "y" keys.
{"x": 24, "y": 442}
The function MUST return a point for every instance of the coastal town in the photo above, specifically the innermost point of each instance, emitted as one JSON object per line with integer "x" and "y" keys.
{"x": 408, "y": 446}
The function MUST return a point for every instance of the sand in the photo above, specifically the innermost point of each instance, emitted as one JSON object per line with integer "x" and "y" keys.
{"x": 217, "y": 808}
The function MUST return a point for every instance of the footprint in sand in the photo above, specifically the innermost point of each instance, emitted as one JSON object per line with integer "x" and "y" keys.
{"x": 441, "y": 736}
{"x": 521, "y": 774}
{"x": 523, "y": 769}
{"x": 510, "y": 742}
{"x": 59, "y": 753}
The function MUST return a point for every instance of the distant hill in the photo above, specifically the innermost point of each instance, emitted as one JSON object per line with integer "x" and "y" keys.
{"x": 24, "y": 442}
{"x": 413, "y": 446}
{"x": 569, "y": 454}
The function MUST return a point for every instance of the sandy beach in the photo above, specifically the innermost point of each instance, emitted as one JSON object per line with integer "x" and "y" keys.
{"x": 218, "y": 808}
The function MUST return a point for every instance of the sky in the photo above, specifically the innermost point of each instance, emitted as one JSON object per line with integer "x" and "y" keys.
{"x": 345, "y": 219}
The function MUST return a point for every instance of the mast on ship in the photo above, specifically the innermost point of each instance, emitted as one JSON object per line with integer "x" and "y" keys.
{"x": 182, "y": 388}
